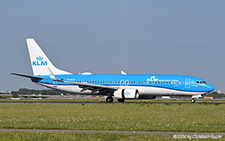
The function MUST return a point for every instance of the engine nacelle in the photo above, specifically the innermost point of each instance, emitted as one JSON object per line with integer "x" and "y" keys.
{"x": 126, "y": 94}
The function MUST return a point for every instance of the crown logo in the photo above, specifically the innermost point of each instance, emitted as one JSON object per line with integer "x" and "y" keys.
{"x": 39, "y": 58}
{"x": 127, "y": 93}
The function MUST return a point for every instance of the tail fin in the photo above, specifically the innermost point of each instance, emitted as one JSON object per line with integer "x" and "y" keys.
{"x": 39, "y": 61}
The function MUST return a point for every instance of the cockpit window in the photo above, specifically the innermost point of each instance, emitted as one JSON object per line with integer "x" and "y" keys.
{"x": 200, "y": 82}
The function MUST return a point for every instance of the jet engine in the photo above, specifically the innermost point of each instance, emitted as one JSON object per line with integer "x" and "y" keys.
{"x": 126, "y": 94}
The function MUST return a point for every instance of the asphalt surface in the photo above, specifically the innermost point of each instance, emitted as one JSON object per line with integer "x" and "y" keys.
{"x": 111, "y": 132}
{"x": 83, "y": 102}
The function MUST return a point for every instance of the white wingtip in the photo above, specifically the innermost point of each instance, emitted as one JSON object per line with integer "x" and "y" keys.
{"x": 124, "y": 73}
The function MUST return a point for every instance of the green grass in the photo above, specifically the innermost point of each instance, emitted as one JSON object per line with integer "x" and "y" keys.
{"x": 15, "y": 136}
{"x": 68, "y": 136}
{"x": 96, "y": 99}
{"x": 124, "y": 117}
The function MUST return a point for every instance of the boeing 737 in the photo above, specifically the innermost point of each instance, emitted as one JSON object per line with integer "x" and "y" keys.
{"x": 114, "y": 86}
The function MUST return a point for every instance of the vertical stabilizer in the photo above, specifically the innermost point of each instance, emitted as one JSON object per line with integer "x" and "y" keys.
{"x": 39, "y": 61}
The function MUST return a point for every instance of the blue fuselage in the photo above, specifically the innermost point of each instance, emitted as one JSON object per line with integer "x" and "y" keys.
{"x": 172, "y": 82}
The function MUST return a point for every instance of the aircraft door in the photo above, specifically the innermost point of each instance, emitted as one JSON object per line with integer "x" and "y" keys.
{"x": 124, "y": 83}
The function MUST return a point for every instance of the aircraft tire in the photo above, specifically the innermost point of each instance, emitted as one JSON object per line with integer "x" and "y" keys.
{"x": 192, "y": 100}
{"x": 109, "y": 99}
{"x": 120, "y": 100}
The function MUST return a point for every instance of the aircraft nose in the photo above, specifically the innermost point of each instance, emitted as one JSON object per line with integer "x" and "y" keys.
{"x": 210, "y": 88}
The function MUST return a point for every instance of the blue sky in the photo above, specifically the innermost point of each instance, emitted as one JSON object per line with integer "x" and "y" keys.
{"x": 105, "y": 37}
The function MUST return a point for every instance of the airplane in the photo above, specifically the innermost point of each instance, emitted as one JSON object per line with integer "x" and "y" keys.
{"x": 114, "y": 86}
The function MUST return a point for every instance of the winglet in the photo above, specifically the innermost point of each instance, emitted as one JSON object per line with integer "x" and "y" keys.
{"x": 52, "y": 76}
{"x": 123, "y": 73}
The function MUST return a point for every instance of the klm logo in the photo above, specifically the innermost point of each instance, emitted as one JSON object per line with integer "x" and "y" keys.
{"x": 39, "y": 62}
{"x": 152, "y": 78}
{"x": 127, "y": 93}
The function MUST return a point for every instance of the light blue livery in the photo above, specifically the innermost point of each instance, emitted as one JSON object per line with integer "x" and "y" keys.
{"x": 119, "y": 86}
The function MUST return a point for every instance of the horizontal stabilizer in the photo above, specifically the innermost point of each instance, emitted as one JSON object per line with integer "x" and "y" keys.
{"x": 28, "y": 76}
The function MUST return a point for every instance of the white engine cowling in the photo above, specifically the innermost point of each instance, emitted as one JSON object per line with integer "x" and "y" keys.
{"x": 126, "y": 94}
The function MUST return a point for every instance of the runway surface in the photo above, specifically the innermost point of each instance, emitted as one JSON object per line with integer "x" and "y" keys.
{"x": 76, "y": 102}
{"x": 111, "y": 132}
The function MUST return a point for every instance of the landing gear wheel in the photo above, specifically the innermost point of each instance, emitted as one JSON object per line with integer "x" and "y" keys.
{"x": 109, "y": 99}
{"x": 192, "y": 100}
{"x": 120, "y": 100}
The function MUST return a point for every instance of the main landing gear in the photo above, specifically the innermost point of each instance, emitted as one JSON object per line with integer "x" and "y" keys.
{"x": 120, "y": 100}
{"x": 109, "y": 99}
{"x": 192, "y": 100}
